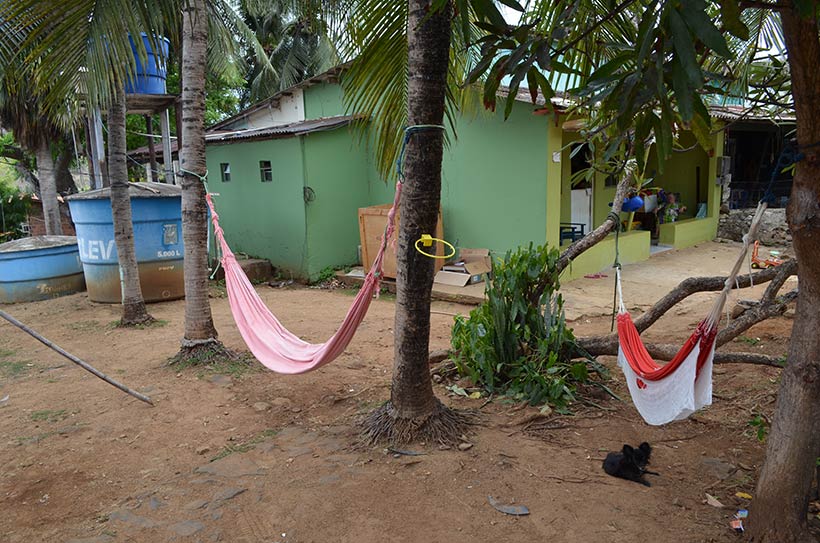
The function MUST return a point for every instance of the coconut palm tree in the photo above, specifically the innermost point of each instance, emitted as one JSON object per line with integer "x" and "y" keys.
{"x": 133, "y": 304}
{"x": 35, "y": 131}
{"x": 75, "y": 46}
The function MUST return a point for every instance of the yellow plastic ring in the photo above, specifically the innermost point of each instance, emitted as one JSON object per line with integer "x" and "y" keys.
{"x": 429, "y": 238}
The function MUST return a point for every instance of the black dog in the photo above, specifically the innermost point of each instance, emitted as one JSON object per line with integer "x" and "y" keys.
{"x": 630, "y": 463}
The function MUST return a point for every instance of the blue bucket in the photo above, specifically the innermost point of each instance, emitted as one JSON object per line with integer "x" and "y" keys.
{"x": 39, "y": 268}
{"x": 150, "y": 78}
{"x": 156, "y": 213}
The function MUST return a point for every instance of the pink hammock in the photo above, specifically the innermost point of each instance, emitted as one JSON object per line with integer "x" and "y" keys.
{"x": 270, "y": 342}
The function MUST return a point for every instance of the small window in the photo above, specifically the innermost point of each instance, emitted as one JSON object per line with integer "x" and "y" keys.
{"x": 265, "y": 171}
{"x": 225, "y": 168}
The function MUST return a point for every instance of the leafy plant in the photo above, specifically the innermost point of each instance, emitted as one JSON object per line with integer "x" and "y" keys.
{"x": 14, "y": 207}
{"x": 518, "y": 342}
{"x": 760, "y": 424}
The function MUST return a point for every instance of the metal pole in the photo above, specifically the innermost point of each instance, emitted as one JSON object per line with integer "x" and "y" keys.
{"x": 74, "y": 359}
{"x": 99, "y": 143}
{"x": 91, "y": 152}
{"x": 167, "y": 157}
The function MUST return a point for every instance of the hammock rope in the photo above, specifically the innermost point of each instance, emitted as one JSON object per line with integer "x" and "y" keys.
{"x": 673, "y": 391}
{"x": 270, "y": 342}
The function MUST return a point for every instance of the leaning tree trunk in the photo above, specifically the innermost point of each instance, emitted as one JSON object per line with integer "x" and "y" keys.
{"x": 413, "y": 411}
{"x": 780, "y": 507}
{"x": 62, "y": 168}
{"x": 48, "y": 190}
{"x": 199, "y": 324}
{"x": 133, "y": 305}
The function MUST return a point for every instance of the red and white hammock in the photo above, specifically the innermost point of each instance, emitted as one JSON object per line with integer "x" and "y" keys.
{"x": 673, "y": 391}
{"x": 270, "y": 342}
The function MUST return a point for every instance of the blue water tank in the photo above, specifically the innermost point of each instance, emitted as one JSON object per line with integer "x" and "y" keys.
{"x": 156, "y": 212}
{"x": 39, "y": 268}
{"x": 150, "y": 78}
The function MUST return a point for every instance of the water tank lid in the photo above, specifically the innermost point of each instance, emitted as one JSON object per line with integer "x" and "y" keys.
{"x": 135, "y": 190}
{"x": 37, "y": 242}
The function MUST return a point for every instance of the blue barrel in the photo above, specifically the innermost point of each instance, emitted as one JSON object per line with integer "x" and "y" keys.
{"x": 156, "y": 212}
{"x": 150, "y": 78}
{"x": 39, "y": 268}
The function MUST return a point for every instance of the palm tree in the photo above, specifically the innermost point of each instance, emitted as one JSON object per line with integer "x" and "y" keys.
{"x": 35, "y": 131}
{"x": 82, "y": 47}
{"x": 133, "y": 304}
{"x": 413, "y": 411}
{"x": 296, "y": 40}
{"x": 199, "y": 324}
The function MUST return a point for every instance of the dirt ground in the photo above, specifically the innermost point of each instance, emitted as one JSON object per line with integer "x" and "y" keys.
{"x": 252, "y": 456}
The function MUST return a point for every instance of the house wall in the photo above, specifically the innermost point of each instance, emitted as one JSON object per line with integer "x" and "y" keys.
{"x": 337, "y": 168}
{"x": 494, "y": 181}
{"x": 262, "y": 219}
{"x": 324, "y": 100}
{"x": 290, "y": 109}
{"x": 632, "y": 247}
{"x": 680, "y": 173}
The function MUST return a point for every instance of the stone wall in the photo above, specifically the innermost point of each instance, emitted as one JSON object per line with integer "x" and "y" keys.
{"x": 773, "y": 229}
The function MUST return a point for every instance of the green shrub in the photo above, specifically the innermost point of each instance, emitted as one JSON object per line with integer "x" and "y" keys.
{"x": 517, "y": 342}
{"x": 14, "y": 206}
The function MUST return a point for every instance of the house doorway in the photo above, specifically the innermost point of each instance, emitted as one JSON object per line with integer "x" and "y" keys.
{"x": 581, "y": 194}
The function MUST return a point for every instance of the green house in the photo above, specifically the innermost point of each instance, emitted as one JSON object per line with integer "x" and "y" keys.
{"x": 292, "y": 174}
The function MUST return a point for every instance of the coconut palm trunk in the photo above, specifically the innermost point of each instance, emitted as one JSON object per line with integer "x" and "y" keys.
{"x": 413, "y": 411}
{"x": 199, "y": 324}
{"x": 48, "y": 189}
{"x": 780, "y": 507}
{"x": 133, "y": 305}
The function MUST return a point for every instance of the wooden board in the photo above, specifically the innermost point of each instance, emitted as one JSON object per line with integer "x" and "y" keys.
{"x": 372, "y": 221}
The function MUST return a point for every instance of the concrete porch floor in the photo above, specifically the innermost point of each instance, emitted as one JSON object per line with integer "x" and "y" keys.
{"x": 643, "y": 282}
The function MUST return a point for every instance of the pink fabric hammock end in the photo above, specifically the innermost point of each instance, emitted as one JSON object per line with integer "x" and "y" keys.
{"x": 270, "y": 342}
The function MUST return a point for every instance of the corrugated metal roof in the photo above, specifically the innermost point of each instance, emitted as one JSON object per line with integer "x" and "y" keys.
{"x": 282, "y": 131}
{"x": 743, "y": 113}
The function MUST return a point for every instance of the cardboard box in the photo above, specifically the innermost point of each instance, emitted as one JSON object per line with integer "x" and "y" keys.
{"x": 470, "y": 268}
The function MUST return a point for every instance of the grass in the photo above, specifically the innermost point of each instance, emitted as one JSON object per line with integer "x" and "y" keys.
{"x": 49, "y": 415}
{"x": 749, "y": 340}
{"x": 156, "y": 323}
{"x": 84, "y": 326}
{"x": 12, "y": 368}
{"x": 246, "y": 446}
{"x": 208, "y": 364}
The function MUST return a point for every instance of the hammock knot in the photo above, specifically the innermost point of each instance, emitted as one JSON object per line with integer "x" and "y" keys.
{"x": 183, "y": 172}
{"x": 616, "y": 220}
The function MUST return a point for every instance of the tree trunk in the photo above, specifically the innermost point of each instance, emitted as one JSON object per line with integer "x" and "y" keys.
{"x": 65, "y": 181}
{"x": 779, "y": 510}
{"x": 199, "y": 325}
{"x": 413, "y": 411}
{"x": 428, "y": 47}
{"x": 133, "y": 305}
{"x": 48, "y": 190}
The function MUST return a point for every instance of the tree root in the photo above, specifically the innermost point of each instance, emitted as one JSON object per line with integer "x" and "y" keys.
{"x": 206, "y": 353}
{"x": 443, "y": 426}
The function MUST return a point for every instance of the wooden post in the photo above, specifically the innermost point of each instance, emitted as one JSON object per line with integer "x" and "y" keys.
{"x": 74, "y": 359}
{"x": 152, "y": 154}
{"x": 167, "y": 155}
